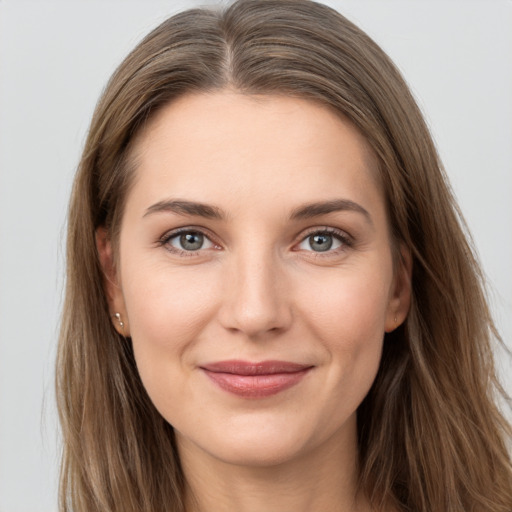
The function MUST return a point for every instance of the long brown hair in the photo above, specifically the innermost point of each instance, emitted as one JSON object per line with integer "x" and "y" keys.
{"x": 430, "y": 435}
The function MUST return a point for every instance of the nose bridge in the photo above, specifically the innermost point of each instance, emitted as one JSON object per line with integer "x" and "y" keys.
{"x": 256, "y": 298}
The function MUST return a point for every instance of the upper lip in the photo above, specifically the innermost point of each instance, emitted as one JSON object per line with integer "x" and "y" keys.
{"x": 254, "y": 368}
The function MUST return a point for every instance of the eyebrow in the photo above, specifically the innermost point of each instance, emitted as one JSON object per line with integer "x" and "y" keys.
{"x": 312, "y": 210}
{"x": 308, "y": 211}
{"x": 182, "y": 207}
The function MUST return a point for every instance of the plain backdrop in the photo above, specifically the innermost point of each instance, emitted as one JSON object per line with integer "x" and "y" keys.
{"x": 55, "y": 58}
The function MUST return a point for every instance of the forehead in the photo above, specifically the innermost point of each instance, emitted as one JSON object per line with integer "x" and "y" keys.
{"x": 227, "y": 145}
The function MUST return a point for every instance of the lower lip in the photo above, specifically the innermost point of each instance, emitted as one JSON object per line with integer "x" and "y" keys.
{"x": 256, "y": 386}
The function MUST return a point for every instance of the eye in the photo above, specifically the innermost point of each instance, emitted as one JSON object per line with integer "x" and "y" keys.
{"x": 324, "y": 241}
{"x": 189, "y": 241}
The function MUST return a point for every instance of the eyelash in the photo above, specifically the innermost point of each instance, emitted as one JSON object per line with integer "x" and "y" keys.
{"x": 346, "y": 241}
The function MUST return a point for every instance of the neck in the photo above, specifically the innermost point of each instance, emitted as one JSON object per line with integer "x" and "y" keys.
{"x": 324, "y": 478}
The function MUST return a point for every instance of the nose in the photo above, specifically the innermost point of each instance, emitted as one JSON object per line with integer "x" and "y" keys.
{"x": 256, "y": 301}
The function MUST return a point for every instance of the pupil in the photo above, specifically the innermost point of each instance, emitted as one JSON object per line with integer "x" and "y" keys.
{"x": 320, "y": 243}
{"x": 191, "y": 241}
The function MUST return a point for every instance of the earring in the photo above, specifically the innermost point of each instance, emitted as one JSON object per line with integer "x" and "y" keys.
{"x": 396, "y": 320}
{"x": 118, "y": 318}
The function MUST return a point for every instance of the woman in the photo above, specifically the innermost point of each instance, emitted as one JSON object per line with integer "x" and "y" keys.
{"x": 271, "y": 303}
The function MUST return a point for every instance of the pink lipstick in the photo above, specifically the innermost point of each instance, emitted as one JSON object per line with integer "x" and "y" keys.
{"x": 255, "y": 380}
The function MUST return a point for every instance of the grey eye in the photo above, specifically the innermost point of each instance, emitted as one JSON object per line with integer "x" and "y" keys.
{"x": 320, "y": 242}
{"x": 190, "y": 241}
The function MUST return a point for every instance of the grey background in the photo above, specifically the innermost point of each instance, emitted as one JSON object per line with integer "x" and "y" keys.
{"x": 55, "y": 57}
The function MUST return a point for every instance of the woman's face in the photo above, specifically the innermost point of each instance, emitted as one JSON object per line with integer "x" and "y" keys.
{"x": 255, "y": 274}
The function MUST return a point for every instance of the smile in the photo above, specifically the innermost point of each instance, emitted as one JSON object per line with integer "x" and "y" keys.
{"x": 255, "y": 380}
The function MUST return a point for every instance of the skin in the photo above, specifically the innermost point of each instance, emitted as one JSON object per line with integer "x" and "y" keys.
{"x": 258, "y": 289}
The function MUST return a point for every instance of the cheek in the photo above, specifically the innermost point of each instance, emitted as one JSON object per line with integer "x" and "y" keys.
{"x": 166, "y": 310}
{"x": 347, "y": 314}
{"x": 348, "y": 308}
{"x": 349, "y": 321}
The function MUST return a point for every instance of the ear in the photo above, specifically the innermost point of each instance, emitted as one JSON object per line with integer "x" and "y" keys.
{"x": 400, "y": 299}
{"x": 111, "y": 283}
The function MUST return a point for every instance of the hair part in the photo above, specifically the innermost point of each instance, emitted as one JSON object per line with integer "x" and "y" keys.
{"x": 430, "y": 435}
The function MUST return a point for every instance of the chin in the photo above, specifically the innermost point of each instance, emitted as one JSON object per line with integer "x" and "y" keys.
{"x": 262, "y": 440}
{"x": 257, "y": 451}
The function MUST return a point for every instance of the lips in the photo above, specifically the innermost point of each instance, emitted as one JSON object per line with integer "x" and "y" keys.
{"x": 255, "y": 380}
